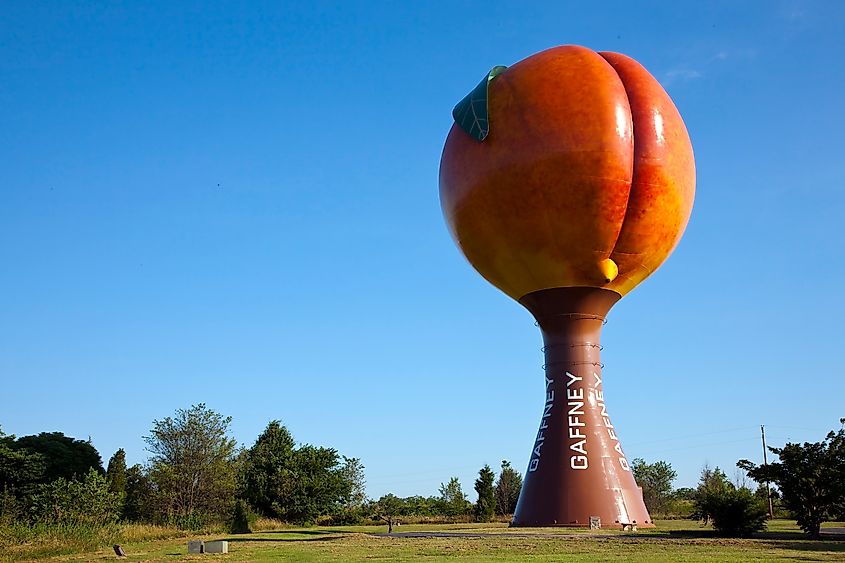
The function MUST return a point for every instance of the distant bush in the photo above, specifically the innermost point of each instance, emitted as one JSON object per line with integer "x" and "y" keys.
{"x": 679, "y": 509}
{"x": 345, "y": 516}
{"x": 195, "y": 521}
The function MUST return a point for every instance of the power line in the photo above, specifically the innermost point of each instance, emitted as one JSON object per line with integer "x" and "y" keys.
{"x": 692, "y": 447}
{"x": 686, "y": 436}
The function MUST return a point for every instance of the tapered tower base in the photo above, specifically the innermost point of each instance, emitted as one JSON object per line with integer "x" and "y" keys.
{"x": 577, "y": 469}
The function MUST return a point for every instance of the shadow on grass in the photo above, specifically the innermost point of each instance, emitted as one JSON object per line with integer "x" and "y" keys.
{"x": 280, "y": 540}
{"x": 786, "y": 540}
{"x": 774, "y": 535}
{"x": 316, "y": 535}
{"x": 809, "y": 546}
{"x": 302, "y": 532}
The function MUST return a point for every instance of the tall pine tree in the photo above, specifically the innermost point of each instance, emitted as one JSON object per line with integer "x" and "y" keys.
{"x": 116, "y": 477}
{"x": 508, "y": 487}
{"x": 116, "y": 472}
{"x": 486, "y": 504}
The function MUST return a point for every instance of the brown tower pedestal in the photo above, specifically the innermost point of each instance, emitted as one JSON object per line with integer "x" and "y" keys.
{"x": 577, "y": 468}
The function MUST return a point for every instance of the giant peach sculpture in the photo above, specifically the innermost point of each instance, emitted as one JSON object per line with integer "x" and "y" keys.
{"x": 567, "y": 179}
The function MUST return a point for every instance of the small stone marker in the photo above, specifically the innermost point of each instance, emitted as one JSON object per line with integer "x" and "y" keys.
{"x": 195, "y": 546}
{"x": 595, "y": 522}
{"x": 217, "y": 547}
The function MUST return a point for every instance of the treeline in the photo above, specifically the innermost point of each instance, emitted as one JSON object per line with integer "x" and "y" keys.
{"x": 497, "y": 497}
{"x": 53, "y": 479}
{"x": 197, "y": 477}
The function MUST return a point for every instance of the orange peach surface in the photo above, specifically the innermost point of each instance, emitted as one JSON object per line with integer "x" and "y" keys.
{"x": 587, "y": 160}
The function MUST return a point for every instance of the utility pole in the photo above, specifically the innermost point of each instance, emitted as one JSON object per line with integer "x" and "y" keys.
{"x": 765, "y": 463}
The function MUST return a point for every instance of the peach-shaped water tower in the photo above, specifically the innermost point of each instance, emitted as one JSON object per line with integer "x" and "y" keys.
{"x": 566, "y": 180}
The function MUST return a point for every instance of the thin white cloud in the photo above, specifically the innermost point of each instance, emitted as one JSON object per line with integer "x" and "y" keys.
{"x": 681, "y": 74}
{"x": 687, "y": 72}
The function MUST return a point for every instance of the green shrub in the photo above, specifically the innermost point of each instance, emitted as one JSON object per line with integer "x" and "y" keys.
{"x": 194, "y": 521}
{"x": 243, "y": 518}
{"x": 345, "y": 516}
{"x": 86, "y": 503}
{"x": 737, "y": 512}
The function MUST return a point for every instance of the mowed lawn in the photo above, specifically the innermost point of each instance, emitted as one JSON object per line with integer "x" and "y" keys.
{"x": 670, "y": 541}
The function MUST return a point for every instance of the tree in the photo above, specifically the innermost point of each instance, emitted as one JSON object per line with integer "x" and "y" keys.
{"x": 453, "y": 499}
{"x": 297, "y": 484}
{"x": 63, "y": 456}
{"x": 116, "y": 473}
{"x": 268, "y": 470}
{"x": 318, "y": 485}
{"x": 712, "y": 485}
{"x": 353, "y": 473}
{"x": 656, "y": 481}
{"x": 486, "y": 503}
{"x": 423, "y": 506}
{"x": 19, "y": 468}
{"x": 508, "y": 486}
{"x": 20, "y": 472}
{"x": 388, "y": 508}
{"x": 192, "y": 466}
{"x": 351, "y": 509}
{"x": 810, "y": 477}
{"x": 138, "y": 503}
{"x": 682, "y": 503}
{"x": 684, "y": 493}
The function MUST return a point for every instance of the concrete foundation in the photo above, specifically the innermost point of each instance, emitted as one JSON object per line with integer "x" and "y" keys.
{"x": 217, "y": 547}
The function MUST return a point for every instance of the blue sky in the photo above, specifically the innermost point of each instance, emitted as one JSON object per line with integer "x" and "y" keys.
{"x": 238, "y": 204}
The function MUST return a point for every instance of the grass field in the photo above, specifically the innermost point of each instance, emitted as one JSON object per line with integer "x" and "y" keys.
{"x": 670, "y": 541}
